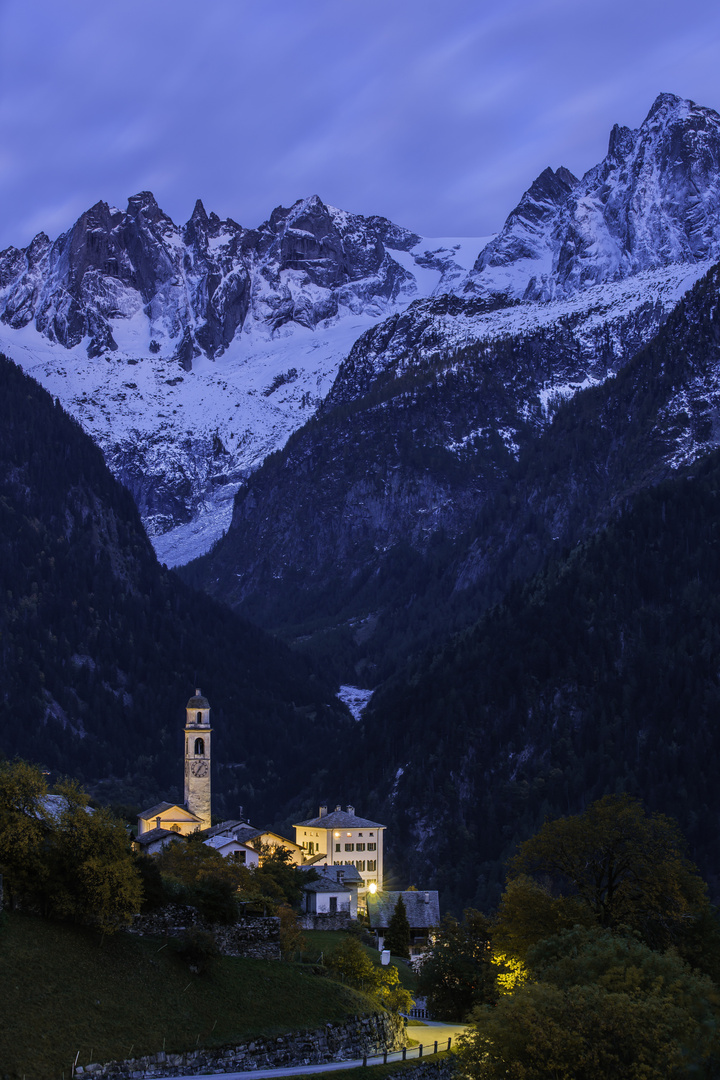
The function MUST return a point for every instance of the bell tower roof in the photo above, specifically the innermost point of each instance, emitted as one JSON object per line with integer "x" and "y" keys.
{"x": 198, "y": 702}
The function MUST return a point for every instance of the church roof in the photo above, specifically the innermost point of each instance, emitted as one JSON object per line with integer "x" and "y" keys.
{"x": 198, "y": 702}
{"x": 422, "y": 907}
{"x": 161, "y": 808}
{"x": 339, "y": 819}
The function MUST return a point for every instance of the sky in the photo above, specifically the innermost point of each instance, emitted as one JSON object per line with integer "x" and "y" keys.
{"x": 437, "y": 114}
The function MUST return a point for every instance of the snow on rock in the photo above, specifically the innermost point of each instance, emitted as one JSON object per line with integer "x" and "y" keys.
{"x": 355, "y": 698}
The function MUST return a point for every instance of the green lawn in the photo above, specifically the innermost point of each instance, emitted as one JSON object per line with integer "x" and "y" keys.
{"x": 322, "y": 941}
{"x": 62, "y": 991}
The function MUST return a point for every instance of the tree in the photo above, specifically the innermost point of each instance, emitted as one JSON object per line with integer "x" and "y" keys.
{"x": 23, "y": 825}
{"x": 528, "y": 912}
{"x": 457, "y": 972}
{"x": 351, "y": 963}
{"x": 603, "y": 1005}
{"x": 92, "y": 877}
{"x": 292, "y": 939}
{"x": 625, "y": 866}
{"x": 397, "y": 938}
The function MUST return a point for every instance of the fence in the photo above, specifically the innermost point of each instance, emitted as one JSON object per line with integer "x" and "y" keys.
{"x": 406, "y": 1053}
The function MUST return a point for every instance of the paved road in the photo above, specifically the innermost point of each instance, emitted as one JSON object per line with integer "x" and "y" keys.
{"x": 427, "y": 1035}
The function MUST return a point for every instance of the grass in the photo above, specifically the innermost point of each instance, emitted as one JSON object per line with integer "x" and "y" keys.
{"x": 322, "y": 941}
{"x": 63, "y": 991}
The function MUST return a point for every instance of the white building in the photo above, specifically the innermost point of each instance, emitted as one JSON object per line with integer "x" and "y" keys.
{"x": 341, "y": 838}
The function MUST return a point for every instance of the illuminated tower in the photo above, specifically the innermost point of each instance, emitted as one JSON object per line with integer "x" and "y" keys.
{"x": 197, "y": 758}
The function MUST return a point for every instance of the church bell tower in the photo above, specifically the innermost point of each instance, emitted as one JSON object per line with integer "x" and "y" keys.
{"x": 197, "y": 758}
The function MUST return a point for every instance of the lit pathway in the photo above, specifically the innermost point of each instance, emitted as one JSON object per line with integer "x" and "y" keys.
{"x": 427, "y": 1035}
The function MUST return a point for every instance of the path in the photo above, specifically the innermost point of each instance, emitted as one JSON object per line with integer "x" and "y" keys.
{"x": 427, "y": 1035}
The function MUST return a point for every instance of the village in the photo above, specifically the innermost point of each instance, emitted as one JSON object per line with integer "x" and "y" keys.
{"x": 344, "y": 849}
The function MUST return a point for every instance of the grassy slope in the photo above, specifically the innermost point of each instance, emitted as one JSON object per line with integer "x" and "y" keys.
{"x": 321, "y": 941}
{"x": 62, "y": 992}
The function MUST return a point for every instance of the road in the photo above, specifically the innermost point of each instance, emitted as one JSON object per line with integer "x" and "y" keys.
{"x": 428, "y": 1034}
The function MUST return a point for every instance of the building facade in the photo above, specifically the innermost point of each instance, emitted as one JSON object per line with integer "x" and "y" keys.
{"x": 341, "y": 838}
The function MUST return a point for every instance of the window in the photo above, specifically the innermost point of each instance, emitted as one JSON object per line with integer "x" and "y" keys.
{"x": 199, "y": 747}
{"x": 359, "y": 847}
{"x": 311, "y": 847}
{"x": 333, "y": 905}
{"x": 337, "y": 847}
{"x": 199, "y": 718}
{"x": 349, "y": 847}
{"x": 371, "y": 847}
{"x": 360, "y": 864}
{"x": 372, "y": 865}
{"x": 239, "y": 856}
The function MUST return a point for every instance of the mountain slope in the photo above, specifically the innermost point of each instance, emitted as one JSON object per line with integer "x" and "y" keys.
{"x": 191, "y": 352}
{"x": 598, "y": 675}
{"x": 100, "y": 647}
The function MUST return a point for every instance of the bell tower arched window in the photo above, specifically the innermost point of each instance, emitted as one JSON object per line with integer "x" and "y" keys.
{"x": 199, "y": 747}
{"x": 199, "y": 718}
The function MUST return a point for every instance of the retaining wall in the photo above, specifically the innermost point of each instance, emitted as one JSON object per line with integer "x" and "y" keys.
{"x": 333, "y": 1042}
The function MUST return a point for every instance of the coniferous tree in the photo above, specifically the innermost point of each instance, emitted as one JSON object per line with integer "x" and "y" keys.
{"x": 397, "y": 939}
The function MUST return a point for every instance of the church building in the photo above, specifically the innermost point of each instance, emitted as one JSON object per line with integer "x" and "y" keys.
{"x": 166, "y": 820}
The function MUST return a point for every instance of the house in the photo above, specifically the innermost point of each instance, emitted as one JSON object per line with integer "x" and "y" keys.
{"x": 423, "y": 913}
{"x": 341, "y": 838}
{"x": 195, "y": 813}
{"x": 245, "y": 834}
{"x": 152, "y": 841}
{"x": 334, "y": 892}
{"x": 230, "y": 848}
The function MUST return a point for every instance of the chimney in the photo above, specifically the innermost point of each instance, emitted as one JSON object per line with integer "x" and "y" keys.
{"x": 323, "y": 811}
{"x": 338, "y": 808}
{"x": 427, "y": 897}
{"x": 198, "y": 692}
{"x": 351, "y": 811}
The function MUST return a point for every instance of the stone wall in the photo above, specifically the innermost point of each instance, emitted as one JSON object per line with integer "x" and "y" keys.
{"x": 255, "y": 937}
{"x": 339, "y": 920}
{"x": 333, "y": 1042}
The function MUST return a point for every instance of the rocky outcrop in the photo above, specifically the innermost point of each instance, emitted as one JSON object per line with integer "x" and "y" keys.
{"x": 652, "y": 202}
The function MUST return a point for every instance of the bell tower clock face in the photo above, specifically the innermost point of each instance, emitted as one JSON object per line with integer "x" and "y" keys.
{"x": 199, "y": 768}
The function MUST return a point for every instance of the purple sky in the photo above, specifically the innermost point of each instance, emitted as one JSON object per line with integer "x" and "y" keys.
{"x": 436, "y": 113}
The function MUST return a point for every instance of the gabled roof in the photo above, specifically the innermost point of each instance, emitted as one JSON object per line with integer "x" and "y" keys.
{"x": 163, "y": 807}
{"x": 338, "y": 819}
{"x": 422, "y": 907}
{"x": 146, "y": 838}
{"x": 221, "y": 840}
{"x": 226, "y": 827}
{"x": 325, "y": 885}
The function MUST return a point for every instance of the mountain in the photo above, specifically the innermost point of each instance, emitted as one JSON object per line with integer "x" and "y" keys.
{"x": 100, "y": 647}
{"x": 435, "y": 407}
{"x": 189, "y": 353}
{"x": 651, "y": 203}
{"x": 584, "y": 661}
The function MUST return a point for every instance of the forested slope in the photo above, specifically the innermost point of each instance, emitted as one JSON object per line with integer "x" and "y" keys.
{"x": 100, "y": 647}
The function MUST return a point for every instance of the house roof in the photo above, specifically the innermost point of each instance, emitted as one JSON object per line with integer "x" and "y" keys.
{"x": 422, "y": 907}
{"x": 325, "y": 885}
{"x": 339, "y": 819}
{"x": 149, "y": 837}
{"x": 222, "y": 840}
{"x": 161, "y": 808}
{"x": 227, "y": 827}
